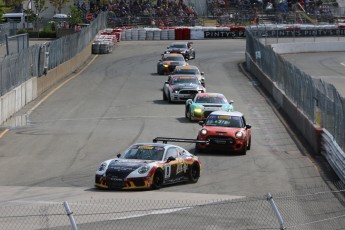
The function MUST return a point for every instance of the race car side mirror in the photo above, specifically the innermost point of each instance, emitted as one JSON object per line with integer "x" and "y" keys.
{"x": 171, "y": 159}
{"x": 160, "y": 59}
{"x": 166, "y": 82}
{"x": 118, "y": 155}
{"x": 189, "y": 101}
{"x": 202, "y": 73}
{"x": 248, "y": 126}
{"x": 231, "y": 101}
{"x": 201, "y": 123}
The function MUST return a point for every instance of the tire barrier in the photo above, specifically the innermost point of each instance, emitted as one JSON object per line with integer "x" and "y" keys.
{"x": 104, "y": 42}
{"x": 227, "y": 31}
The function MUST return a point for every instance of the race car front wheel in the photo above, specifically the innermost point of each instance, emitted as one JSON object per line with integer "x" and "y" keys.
{"x": 186, "y": 113}
{"x": 158, "y": 179}
{"x": 164, "y": 96}
{"x": 194, "y": 173}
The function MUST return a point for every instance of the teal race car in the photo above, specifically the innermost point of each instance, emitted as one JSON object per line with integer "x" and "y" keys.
{"x": 203, "y": 104}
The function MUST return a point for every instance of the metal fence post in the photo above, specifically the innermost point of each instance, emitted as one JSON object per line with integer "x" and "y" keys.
{"x": 70, "y": 216}
{"x": 276, "y": 211}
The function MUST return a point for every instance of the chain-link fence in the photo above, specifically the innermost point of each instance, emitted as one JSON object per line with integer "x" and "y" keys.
{"x": 16, "y": 43}
{"x": 311, "y": 96}
{"x": 317, "y": 208}
{"x": 35, "y": 60}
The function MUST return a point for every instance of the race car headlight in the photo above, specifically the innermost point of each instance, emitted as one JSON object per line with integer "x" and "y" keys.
{"x": 239, "y": 134}
{"x": 102, "y": 167}
{"x": 197, "y": 110}
{"x": 165, "y": 65}
{"x": 203, "y": 132}
{"x": 175, "y": 91}
{"x": 183, "y": 52}
{"x": 143, "y": 169}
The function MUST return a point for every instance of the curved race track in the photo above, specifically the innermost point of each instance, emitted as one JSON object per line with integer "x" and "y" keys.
{"x": 117, "y": 101}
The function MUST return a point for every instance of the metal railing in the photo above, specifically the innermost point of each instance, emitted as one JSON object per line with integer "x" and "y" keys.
{"x": 31, "y": 61}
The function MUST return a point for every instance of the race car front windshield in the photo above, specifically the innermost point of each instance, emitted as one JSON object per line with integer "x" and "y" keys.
{"x": 187, "y": 71}
{"x": 178, "y": 46}
{"x": 185, "y": 81}
{"x": 170, "y": 58}
{"x": 211, "y": 100}
{"x": 224, "y": 121}
{"x": 144, "y": 153}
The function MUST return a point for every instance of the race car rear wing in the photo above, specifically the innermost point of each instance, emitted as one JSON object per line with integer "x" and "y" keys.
{"x": 173, "y": 139}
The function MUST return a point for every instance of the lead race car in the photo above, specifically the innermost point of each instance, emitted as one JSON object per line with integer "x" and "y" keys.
{"x": 184, "y": 48}
{"x": 148, "y": 166}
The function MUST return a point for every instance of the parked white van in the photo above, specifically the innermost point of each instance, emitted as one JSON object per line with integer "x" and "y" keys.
{"x": 20, "y": 18}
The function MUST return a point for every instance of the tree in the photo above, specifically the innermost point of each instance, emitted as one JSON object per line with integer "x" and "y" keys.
{"x": 75, "y": 16}
{"x": 14, "y": 3}
{"x": 59, "y": 4}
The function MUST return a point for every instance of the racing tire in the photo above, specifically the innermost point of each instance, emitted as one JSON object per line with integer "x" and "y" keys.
{"x": 186, "y": 112}
{"x": 249, "y": 144}
{"x": 169, "y": 98}
{"x": 164, "y": 96}
{"x": 158, "y": 180}
{"x": 193, "y": 55}
{"x": 197, "y": 149}
{"x": 194, "y": 173}
{"x": 244, "y": 150}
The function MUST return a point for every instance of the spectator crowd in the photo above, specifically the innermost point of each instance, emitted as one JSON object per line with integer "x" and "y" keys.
{"x": 153, "y": 12}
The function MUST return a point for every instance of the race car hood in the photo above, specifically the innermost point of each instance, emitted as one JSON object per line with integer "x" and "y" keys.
{"x": 224, "y": 131}
{"x": 186, "y": 86}
{"x": 121, "y": 168}
{"x": 225, "y": 107}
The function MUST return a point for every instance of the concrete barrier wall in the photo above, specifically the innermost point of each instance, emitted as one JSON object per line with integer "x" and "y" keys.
{"x": 17, "y": 98}
{"x": 57, "y": 74}
{"x": 306, "y": 128}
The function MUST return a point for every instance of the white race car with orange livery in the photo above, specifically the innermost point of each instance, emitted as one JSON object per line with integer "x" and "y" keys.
{"x": 148, "y": 166}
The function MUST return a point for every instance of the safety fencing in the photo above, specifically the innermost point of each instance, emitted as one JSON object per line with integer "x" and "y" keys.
{"x": 36, "y": 60}
{"x": 312, "y": 208}
{"x": 312, "y": 105}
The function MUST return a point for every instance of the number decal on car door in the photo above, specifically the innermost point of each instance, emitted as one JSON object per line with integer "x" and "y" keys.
{"x": 167, "y": 170}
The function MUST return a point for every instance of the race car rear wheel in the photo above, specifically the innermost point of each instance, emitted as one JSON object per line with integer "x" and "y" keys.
{"x": 158, "y": 179}
{"x": 194, "y": 173}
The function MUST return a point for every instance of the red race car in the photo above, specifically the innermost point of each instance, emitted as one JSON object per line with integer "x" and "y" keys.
{"x": 224, "y": 131}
